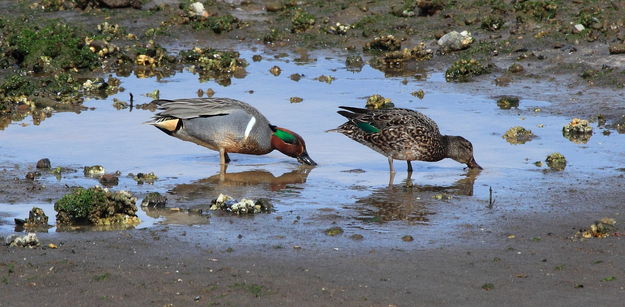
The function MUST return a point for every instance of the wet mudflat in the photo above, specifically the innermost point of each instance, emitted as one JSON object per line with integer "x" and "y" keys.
{"x": 442, "y": 212}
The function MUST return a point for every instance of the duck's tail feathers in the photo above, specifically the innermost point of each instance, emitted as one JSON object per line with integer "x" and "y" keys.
{"x": 349, "y": 115}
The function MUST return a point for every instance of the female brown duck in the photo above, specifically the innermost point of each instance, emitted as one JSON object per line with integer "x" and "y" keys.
{"x": 404, "y": 134}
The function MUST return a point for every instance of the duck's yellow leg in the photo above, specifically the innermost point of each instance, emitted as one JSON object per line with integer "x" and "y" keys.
{"x": 223, "y": 156}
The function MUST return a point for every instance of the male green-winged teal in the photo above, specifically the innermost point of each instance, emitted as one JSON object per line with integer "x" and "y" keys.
{"x": 228, "y": 126}
{"x": 404, "y": 134}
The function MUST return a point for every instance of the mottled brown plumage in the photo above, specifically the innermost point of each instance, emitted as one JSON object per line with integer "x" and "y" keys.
{"x": 403, "y": 134}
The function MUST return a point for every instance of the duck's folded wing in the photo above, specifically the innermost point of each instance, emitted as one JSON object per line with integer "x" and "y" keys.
{"x": 197, "y": 107}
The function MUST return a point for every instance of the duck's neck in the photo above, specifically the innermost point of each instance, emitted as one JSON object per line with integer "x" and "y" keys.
{"x": 445, "y": 148}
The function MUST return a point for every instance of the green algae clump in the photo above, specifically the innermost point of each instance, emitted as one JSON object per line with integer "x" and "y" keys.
{"x": 464, "y": 70}
{"x": 508, "y": 102}
{"x": 44, "y": 48}
{"x": 378, "y": 102}
{"x": 556, "y": 161}
{"x": 302, "y": 21}
{"x": 518, "y": 135}
{"x": 96, "y": 206}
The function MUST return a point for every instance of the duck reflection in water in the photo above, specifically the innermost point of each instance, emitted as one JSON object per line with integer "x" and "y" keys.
{"x": 409, "y": 202}
{"x": 240, "y": 184}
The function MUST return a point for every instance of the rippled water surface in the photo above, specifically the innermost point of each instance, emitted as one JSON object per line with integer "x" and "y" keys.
{"x": 350, "y": 185}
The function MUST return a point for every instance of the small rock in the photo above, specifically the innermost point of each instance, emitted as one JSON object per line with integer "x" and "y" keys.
{"x": 295, "y": 77}
{"x": 383, "y": 43}
{"x": 296, "y": 99}
{"x": 333, "y": 231}
{"x": 354, "y": 63}
{"x": 275, "y": 71}
{"x": 599, "y": 229}
{"x": 508, "y": 102}
{"x": 197, "y": 9}
{"x": 274, "y": 6}
{"x": 30, "y": 240}
{"x": 44, "y": 163}
{"x": 109, "y": 180}
{"x": 356, "y": 237}
{"x": 93, "y": 171}
{"x": 578, "y": 28}
{"x": 407, "y": 238}
{"x": 142, "y": 178}
{"x": 154, "y": 200}
{"x": 257, "y": 58}
{"x": 556, "y": 161}
{"x": 210, "y": 92}
{"x": 516, "y": 68}
{"x": 419, "y": 94}
{"x": 617, "y": 48}
{"x": 326, "y": 79}
{"x": 378, "y": 102}
{"x": 518, "y": 135}
{"x": 578, "y": 131}
{"x": 454, "y": 41}
{"x": 32, "y": 175}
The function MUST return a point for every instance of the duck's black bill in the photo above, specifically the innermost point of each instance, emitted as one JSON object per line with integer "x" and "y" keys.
{"x": 305, "y": 159}
{"x": 472, "y": 164}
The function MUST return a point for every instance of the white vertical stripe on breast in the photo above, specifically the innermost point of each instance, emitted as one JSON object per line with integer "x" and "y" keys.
{"x": 249, "y": 127}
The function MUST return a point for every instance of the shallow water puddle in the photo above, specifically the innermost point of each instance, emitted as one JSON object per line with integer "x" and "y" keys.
{"x": 350, "y": 185}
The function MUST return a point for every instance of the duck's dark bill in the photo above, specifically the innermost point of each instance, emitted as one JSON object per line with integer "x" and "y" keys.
{"x": 473, "y": 164}
{"x": 305, "y": 159}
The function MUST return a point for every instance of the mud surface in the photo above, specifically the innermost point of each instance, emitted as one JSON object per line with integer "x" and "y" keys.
{"x": 341, "y": 232}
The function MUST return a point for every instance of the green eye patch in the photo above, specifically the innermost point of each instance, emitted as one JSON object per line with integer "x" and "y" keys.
{"x": 285, "y": 136}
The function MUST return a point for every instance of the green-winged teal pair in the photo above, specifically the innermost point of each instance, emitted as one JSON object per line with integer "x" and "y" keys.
{"x": 232, "y": 126}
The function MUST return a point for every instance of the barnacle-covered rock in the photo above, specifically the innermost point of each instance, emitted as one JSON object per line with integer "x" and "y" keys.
{"x": 96, "y": 206}
{"x": 242, "y": 207}
{"x": 518, "y": 135}
{"x": 556, "y": 161}
{"x": 378, "y": 102}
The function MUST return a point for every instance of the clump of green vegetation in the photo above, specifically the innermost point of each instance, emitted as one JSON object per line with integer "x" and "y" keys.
{"x": 142, "y": 178}
{"x": 556, "y": 161}
{"x": 577, "y": 131}
{"x": 211, "y": 63}
{"x": 396, "y": 59}
{"x": 378, "y": 102}
{"x": 96, "y": 206}
{"x": 302, "y": 21}
{"x": 274, "y": 35}
{"x": 518, "y": 135}
{"x": 538, "y": 9}
{"x": 589, "y": 17}
{"x": 55, "y": 45}
{"x": 492, "y": 23}
{"x": 508, "y": 102}
{"x": 333, "y": 231}
{"x": 218, "y": 24}
{"x": 254, "y": 289}
{"x": 16, "y": 85}
{"x": 464, "y": 70}
{"x": 383, "y": 43}
{"x": 406, "y": 9}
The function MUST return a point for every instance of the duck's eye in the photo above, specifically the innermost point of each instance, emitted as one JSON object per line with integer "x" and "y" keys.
{"x": 285, "y": 136}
